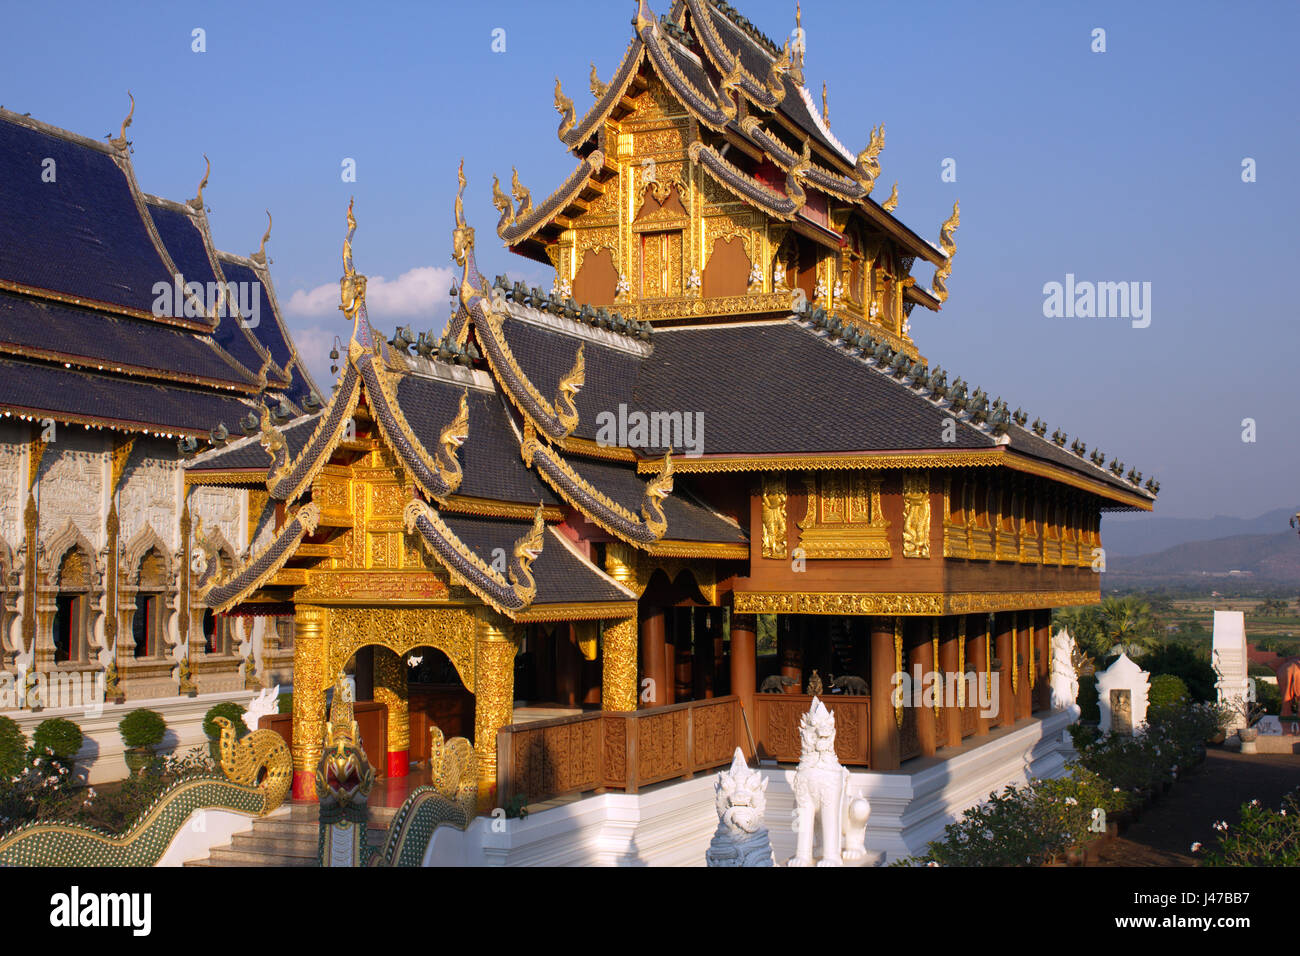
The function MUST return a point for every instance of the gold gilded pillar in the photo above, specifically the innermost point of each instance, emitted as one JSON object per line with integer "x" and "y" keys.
{"x": 618, "y": 668}
{"x": 494, "y": 692}
{"x": 310, "y": 652}
{"x": 390, "y": 690}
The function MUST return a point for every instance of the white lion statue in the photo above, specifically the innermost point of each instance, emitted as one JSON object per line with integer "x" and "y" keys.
{"x": 1064, "y": 680}
{"x": 741, "y": 798}
{"x": 821, "y": 787}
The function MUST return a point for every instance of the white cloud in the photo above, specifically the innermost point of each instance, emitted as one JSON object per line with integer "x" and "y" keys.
{"x": 419, "y": 293}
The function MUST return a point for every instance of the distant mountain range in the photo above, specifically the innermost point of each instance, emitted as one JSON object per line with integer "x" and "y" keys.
{"x": 1272, "y": 559}
{"x": 1147, "y": 535}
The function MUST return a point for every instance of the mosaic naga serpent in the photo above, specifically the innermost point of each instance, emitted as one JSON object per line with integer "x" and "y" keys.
{"x": 261, "y": 756}
{"x": 244, "y": 789}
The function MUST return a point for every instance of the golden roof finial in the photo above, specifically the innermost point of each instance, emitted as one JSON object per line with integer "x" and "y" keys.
{"x": 352, "y": 287}
{"x": 890, "y": 204}
{"x": 826, "y": 106}
{"x": 260, "y": 255}
{"x": 197, "y": 202}
{"x": 597, "y": 88}
{"x": 120, "y": 142}
{"x": 462, "y": 237}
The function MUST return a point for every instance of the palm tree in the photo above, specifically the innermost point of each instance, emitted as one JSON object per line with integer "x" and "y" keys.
{"x": 1128, "y": 624}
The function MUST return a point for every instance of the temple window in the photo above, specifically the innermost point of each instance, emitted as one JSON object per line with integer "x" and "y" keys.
{"x": 71, "y": 608}
{"x": 216, "y": 633}
{"x": 147, "y": 623}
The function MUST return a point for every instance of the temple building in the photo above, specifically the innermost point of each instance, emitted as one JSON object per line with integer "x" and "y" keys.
{"x": 127, "y": 340}
{"x": 592, "y": 499}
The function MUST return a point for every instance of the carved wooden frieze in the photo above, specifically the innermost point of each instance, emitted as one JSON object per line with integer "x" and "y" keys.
{"x": 774, "y": 527}
{"x": 916, "y": 515}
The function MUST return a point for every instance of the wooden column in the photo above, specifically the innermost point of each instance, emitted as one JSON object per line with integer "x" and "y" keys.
{"x": 744, "y": 671}
{"x": 1042, "y": 658}
{"x": 653, "y": 658}
{"x": 979, "y": 653}
{"x": 568, "y": 667}
{"x": 669, "y": 692}
{"x": 1003, "y": 624}
{"x": 884, "y": 729}
{"x": 922, "y": 660}
{"x": 789, "y": 649}
{"x": 1026, "y": 661}
{"x": 948, "y": 663}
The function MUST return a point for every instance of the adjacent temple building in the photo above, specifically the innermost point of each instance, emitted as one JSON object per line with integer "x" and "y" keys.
{"x": 586, "y": 498}
{"x": 126, "y": 340}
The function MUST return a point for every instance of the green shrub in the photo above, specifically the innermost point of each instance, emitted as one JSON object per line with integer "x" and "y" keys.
{"x": 1269, "y": 697}
{"x": 142, "y": 728}
{"x": 1167, "y": 692}
{"x": 1089, "y": 709}
{"x": 232, "y": 712}
{"x": 13, "y": 748}
{"x": 61, "y": 737}
{"x": 1183, "y": 662}
{"x": 284, "y": 704}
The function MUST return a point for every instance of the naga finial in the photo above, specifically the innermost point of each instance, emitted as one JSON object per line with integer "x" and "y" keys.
{"x": 946, "y": 243}
{"x": 503, "y": 205}
{"x": 260, "y": 255}
{"x": 522, "y": 195}
{"x": 867, "y": 167}
{"x": 564, "y": 106}
{"x": 462, "y": 237}
{"x": 352, "y": 287}
{"x": 793, "y": 187}
{"x": 120, "y": 142}
{"x": 197, "y": 202}
{"x": 597, "y": 87}
{"x": 731, "y": 81}
{"x": 890, "y": 204}
{"x": 526, "y": 550}
{"x": 644, "y": 17}
{"x": 775, "y": 81}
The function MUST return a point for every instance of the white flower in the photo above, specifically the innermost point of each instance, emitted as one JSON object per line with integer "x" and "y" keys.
{"x": 1071, "y": 802}
{"x": 1196, "y": 847}
{"x": 1221, "y": 826}
{"x": 932, "y": 863}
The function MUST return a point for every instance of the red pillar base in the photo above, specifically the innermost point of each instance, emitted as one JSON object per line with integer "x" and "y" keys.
{"x": 304, "y": 785}
{"x": 399, "y": 763}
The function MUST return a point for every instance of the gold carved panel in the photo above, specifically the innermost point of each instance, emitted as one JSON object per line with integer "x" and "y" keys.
{"x": 774, "y": 504}
{"x": 916, "y": 515}
{"x": 450, "y": 630}
{"x": 844, "y": 517}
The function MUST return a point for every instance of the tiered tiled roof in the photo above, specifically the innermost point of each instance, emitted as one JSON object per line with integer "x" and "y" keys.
{"x": 83, "y": 253}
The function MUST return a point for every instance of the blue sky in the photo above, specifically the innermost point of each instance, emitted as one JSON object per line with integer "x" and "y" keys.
{"x": 1115, "y": 166}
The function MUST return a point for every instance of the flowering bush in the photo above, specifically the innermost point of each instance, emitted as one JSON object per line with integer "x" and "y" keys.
{"x": 43, "y": 789}
{"x": 61, "y": 737}
{"x": 1264, "y": 837}
{"x": 13, "y": 747}
{"x": 1034, "y": 824}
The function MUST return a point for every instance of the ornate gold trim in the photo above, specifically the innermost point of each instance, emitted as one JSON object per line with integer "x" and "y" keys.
{"x": 721, "y": 550}
{"x": 797, "y": 462}
{"x": 919, "y": 604}
{"x": 462, "y": 504}
{"x": 845, "y": 538}
{"x": 576, "y": 611}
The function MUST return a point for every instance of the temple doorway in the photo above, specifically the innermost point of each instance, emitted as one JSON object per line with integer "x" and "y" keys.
{"x": 400, "y": 698}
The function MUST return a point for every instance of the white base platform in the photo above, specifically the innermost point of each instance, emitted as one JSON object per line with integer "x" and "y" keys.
{"x": 671, "y": 824}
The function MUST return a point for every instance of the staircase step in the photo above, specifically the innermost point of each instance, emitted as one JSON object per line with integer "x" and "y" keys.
{"x": 229, "y": 856}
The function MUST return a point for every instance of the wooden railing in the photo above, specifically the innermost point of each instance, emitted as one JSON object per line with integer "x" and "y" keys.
{"x": 615, "y": 750}
{"x": 776, "y": 726}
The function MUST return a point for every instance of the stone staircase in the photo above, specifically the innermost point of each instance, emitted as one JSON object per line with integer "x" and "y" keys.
{"x": 288, "y": 837}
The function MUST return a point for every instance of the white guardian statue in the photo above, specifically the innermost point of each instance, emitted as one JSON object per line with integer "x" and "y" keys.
{"x": 821, "y": 788}
{"x": 741, "y": 798}
{"x": 1064, "y": 679}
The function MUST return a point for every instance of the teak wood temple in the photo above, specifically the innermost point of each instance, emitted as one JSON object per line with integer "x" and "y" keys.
{"x": 588, "y": 497}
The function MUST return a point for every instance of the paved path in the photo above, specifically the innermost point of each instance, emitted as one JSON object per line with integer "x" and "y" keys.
{"x": 1164, "y": 834}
